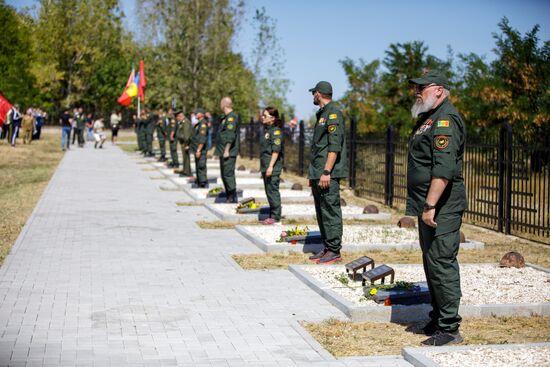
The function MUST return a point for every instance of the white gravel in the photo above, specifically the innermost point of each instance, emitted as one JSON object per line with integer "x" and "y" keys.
{"x": 256, "y": 193}
{"x": 353, "y": 234}
{"x": 494, "y": 357}
{"x": 480, "y": 283}
{"x": 295, "y": 209}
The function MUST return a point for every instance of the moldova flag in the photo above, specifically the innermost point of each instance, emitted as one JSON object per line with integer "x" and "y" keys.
{"x": 5, "y": 107}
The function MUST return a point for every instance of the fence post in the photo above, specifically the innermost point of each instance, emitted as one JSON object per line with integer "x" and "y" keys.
{"x": 504, "y": 178}
{"x": 250, "y": 137}
{"x": 390, "y": 167}
{"x": 353, "y": 152}
{"x": 301, "y": 147}
{"x": 509, "y": 160}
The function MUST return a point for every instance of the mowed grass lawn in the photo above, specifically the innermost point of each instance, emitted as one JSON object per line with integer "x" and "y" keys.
{"x": 24, "y": 173}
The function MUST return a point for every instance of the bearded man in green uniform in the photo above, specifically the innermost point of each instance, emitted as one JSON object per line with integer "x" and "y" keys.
{"x": 227, "y": 148}
{"x": 172, "y": 134}
{"x": 184, "y": 134}
{"x": 198, "y": 146}
{"x": 327, "y": 167}
{"x": 436, "y": 195}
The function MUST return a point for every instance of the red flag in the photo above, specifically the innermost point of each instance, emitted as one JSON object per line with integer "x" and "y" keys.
{"x": 125, "y": 99}
{"x": 142, "y": 82}
{"x": 5, "y": 107}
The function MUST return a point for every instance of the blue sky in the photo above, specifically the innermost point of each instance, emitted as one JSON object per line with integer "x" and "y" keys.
{"x": 316, "y": 34}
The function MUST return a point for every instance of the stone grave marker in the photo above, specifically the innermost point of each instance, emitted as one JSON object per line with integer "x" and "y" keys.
{"x": 360, "y": 263}
{"x": 417, "y": 294}
{"x": 380, "y": 272}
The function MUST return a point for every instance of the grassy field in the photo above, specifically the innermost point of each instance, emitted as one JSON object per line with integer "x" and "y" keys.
{"x": 346, "y": 339}
{"x": 26, "y": 170}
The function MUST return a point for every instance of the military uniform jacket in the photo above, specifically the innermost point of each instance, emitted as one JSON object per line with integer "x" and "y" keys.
{"x": 436, "y": 149}
{"x": 228, "y": 133}
{"x": 171, "y": 127}
{"x": 200, "y": 135}
{"x": 185, "y": 131}
{"x": 80, "y": 123}
{"x": 271, "y": 141}
{"x": 328, "y": 136}
{"x": 162, "y": 126}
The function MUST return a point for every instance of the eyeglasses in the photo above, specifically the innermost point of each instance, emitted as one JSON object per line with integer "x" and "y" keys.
{"x": 421, "y": 88}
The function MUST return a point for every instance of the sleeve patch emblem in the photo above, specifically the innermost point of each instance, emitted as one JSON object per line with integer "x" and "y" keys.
{"x": 322, "y": 120}
{"x": 230, "y": 119}
{"x": 277, "y": 141}
{"x": 229, "y": 126}
{"x": 266, "y": 136}
{"x": 443, "y": 123}
{"x": 277, "y": 132}
{"x": 332, "y": 116}
{"x": 331, "y": 128}
{"x": 441, "y": 142}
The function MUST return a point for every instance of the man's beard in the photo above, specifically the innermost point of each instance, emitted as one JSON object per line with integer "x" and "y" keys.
{"x": 423, "y": 106}
{"x": 315, "y": 101}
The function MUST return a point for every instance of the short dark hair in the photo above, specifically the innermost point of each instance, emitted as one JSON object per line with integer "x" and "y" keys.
{"x": 275, "y": 113}
{"x": 326, "y": 96}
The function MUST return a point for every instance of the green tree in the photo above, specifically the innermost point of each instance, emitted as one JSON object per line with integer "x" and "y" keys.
{"x": 16, "y": 55}
{"x": 75, "y": 41}
{"x": 188, "y": 42}
{"x": 268, "y": 64}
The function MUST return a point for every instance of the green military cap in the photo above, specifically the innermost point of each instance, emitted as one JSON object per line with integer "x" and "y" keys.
{"x": 178, "y": 112}
{"x": 322, "y": 87}
{"x": 200, "y": 110}
{"x": 432, "y": 77}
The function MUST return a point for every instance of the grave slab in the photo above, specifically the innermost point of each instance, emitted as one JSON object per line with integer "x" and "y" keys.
{"x": 371, "y": 311}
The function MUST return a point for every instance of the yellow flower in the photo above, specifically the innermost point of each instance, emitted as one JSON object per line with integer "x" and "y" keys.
{"x": 373, "y": 292}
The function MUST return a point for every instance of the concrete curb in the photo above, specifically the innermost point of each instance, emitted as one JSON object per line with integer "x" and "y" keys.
{"x": 418, "y": 358}
{"x": 400, "y": 313}
{"x": 247, "y": 217}
{"x": 272, "y": 247}
{"x": 313, "y": 343}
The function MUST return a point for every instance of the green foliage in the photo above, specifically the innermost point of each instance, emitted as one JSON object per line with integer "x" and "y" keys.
{"x": 189, "y": 47}
{"x": 16, "y": 56}
{"x": 514, "y": 87}
{"x": 268, "y": 62}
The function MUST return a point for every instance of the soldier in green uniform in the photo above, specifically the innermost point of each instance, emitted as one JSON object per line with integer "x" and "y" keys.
{"x": 172, "y": 131}
{"x": 328, "y": 165}
{"x": 141, "y": 132}
{"x": 227, "y": 148}
{"x": 150, "y": 124}
{"x": 198, "y": 146}
{"x": 184, "y": 133}
{"x": 271, "y": 161}
{"x": 161, "y": 129}
{"x": 436, "y": 195}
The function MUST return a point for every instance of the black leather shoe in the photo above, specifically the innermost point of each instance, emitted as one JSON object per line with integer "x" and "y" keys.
{"x": 329, "y": 257}
{"x": 318, "y": 255}
{"x": 440, "y": 338}
{"x": 430, "y": 328}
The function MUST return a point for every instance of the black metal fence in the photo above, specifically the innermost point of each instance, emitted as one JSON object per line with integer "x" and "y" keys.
{"x": 507, "y": 180}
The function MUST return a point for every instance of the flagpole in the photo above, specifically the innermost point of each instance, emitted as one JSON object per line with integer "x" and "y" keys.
{"x": 139, "y": 114}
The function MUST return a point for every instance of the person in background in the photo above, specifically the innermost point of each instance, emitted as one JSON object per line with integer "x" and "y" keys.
{"x": 73, "y": 125}
{"x": 99, "y": 135}
{"x": 66, "y": 125}
{"x": 80, "y": 126}
{"x": 115, "y": 122}
{"x": 271, "y": 161}
{"x": 14, "y": 116}
{"x": 38, "y": 121}
{"x": 27, "y": 125}
{"x": 89, "y": 127}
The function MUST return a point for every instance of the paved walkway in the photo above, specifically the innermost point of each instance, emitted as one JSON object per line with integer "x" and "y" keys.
{"x": 108, "y": 271}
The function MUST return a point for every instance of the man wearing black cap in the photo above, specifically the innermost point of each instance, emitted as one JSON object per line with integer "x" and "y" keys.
{"x": 198, "y": 145}
{"x": 436, "y": 195}
{"x": 328, "y": 165}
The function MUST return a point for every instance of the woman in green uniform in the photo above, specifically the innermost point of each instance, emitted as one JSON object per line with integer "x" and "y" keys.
{"x": 271, "y": 161}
